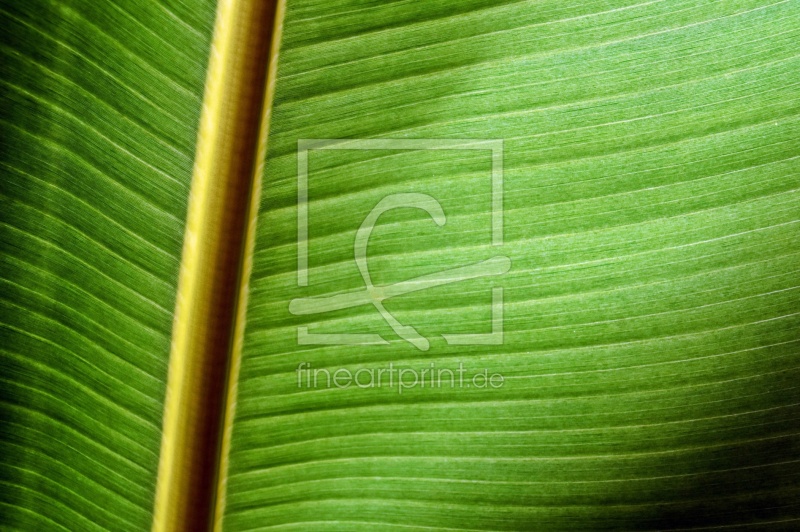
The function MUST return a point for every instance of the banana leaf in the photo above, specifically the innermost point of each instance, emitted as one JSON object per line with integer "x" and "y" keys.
{"x": 515, "y": 265}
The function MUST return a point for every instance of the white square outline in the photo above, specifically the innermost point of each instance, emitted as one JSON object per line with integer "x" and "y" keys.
{"x": 305, "y": 145}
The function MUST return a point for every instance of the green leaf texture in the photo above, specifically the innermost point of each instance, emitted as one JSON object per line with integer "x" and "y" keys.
{"x": 652, "y": 216}
{"x": 99, "y": 120}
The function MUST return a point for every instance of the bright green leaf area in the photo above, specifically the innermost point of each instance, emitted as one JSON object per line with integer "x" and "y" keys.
{"x": 101, "y": 106}
{"x": 652, "y": 311}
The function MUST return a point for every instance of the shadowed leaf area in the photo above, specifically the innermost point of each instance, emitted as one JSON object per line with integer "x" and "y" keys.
{"x": 101, "y": 102}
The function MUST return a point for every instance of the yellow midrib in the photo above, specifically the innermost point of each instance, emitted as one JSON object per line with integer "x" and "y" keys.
{"x": 215, "y": 265}
{"x": 247, "y": 268}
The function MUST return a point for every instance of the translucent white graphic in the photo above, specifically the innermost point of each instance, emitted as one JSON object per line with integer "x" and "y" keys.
{"x": 376, "y": 295}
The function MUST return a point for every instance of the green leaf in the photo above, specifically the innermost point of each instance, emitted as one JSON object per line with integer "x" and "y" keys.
{"x": 652, "y": 198}
{"x": 581, "y": 220}
{"x": 101, "y": 102}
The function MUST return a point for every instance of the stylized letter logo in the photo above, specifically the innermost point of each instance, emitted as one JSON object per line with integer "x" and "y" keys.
{"x": 376, "y": 295}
